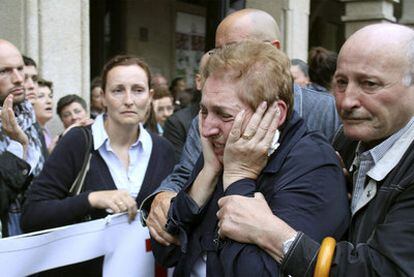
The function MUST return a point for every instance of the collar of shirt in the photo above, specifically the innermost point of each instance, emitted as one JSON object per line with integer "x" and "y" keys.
{"x": 100, "y": 136}
{"x": 389, "y": 157}
{"x": 387, "y": 154}
{"x": 160, "y": 129}
{"x": 131, "y": 178}
{"x": 376, "y": 163}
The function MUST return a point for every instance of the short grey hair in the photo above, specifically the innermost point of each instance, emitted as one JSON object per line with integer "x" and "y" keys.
{"x": 302, "y": 65}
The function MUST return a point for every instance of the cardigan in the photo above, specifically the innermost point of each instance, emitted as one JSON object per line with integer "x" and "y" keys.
{"x": 49, "y": 205}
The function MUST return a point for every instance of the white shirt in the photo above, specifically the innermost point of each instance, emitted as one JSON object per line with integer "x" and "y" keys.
{"x": 139, "y": 155}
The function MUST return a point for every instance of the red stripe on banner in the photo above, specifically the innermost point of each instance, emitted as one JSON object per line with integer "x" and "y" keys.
{"x": 148, "y": 247}
{"x": 160, "y": 271}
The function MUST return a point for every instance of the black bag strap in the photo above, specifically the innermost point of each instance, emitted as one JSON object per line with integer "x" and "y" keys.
{"x": 77, "y": 185}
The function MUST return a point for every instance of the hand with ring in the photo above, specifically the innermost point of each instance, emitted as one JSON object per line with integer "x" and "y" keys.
{"x": 117, "y": 201}
{"x": 247, "y": 137}
{"x": 245, "y": 153}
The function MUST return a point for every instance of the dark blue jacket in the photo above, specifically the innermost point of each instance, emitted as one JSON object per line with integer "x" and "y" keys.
{"x": 48, "y": 203}
{"x": 302, "y": 183}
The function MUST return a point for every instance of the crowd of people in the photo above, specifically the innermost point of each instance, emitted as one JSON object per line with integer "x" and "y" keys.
{"x": 269, "y": 166}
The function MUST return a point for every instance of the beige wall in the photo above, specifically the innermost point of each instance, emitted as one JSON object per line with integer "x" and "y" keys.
{"x": 158, "y": 17}
{"x": 56, "y": 35}
{"x": 157, "y": 51}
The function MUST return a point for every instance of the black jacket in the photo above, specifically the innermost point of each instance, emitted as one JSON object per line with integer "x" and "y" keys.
{"x": 302, "y": 183}
{"x": 14, "y": 179}
{"x": 176, "y": 128}
{"x": 380, "y": 237}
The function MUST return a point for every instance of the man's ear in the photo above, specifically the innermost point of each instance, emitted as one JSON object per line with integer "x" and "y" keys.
{"x": 283, "y": 109}
{"x": 198, "y": 81}
{"x": 276, "y": 43}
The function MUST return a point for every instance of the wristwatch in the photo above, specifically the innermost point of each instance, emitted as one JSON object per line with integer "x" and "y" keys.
{"x": 288, "y": 243}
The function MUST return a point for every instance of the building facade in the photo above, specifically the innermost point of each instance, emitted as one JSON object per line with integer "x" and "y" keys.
{"x": 71, "y": 40}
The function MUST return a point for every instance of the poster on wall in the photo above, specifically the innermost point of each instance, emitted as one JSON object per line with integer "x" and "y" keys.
{"x": 189, "y": 45}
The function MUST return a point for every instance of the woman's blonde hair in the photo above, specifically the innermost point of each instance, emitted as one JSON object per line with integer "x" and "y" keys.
{"x": 261, "y": 70}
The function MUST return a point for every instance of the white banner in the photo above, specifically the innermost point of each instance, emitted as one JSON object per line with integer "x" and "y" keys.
{"x": 124, "y": 245}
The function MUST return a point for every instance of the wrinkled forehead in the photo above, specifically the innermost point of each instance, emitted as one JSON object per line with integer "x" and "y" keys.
{"x": 372, "y": 56}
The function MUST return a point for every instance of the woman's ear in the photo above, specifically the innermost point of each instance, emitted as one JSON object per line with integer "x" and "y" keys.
{"x": 197, "y": 78}
{"x": 283, "y": 111}
{"x": 151, "y": 94}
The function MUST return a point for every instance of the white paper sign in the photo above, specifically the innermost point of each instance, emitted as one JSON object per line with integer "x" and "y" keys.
{"x": 123, "y": 244}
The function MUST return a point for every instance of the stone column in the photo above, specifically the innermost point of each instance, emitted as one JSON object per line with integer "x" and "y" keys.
{"x": 359, "y": 13}
{"x": 296, "y": 28}
{"x": 55, "y": 34}
{"x": 407, "y": 17}
{"x": 64, "y": 47}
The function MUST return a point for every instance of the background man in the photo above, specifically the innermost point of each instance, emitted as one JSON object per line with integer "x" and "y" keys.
{"x": 162, "y": 103}
{"x": 178, "y": 124}
{"x": 96, "y": 97}
{"x": 20, "y": 144}
{"x": 158, "y": 80}
{"x": 31, "y": 76}
{"x": 374, "y": 90}
{"x": 299, "y": 70}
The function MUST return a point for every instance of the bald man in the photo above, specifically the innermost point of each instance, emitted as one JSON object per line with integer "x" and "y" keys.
{"x": 374, "y": 91}
{"x": 20, "y": 143}
{"x": 177, "y": 126}
{"x": 317, "y": 109}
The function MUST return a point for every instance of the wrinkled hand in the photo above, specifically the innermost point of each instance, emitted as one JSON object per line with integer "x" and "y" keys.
{"x": 157, "y": 218}
{"x": 9, "y": 123}
{"x": 243, "y": 218}
{"x": 245, "y": 154}
{"x": 250, "y": 220}
{"x": 83, "y": 122}
{"x": 117, "y": 201}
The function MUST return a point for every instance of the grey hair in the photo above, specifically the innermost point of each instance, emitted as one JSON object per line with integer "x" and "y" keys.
{"x": 408, "y": 78}
{"x": 302, "y": 65}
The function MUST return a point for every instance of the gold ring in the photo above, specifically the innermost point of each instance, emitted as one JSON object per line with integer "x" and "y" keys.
{"x": 247, "y": 137}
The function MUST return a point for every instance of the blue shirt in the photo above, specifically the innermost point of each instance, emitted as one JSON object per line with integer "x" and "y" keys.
{"x": 368, "y": 162}
{"x": 130, "y": 178}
